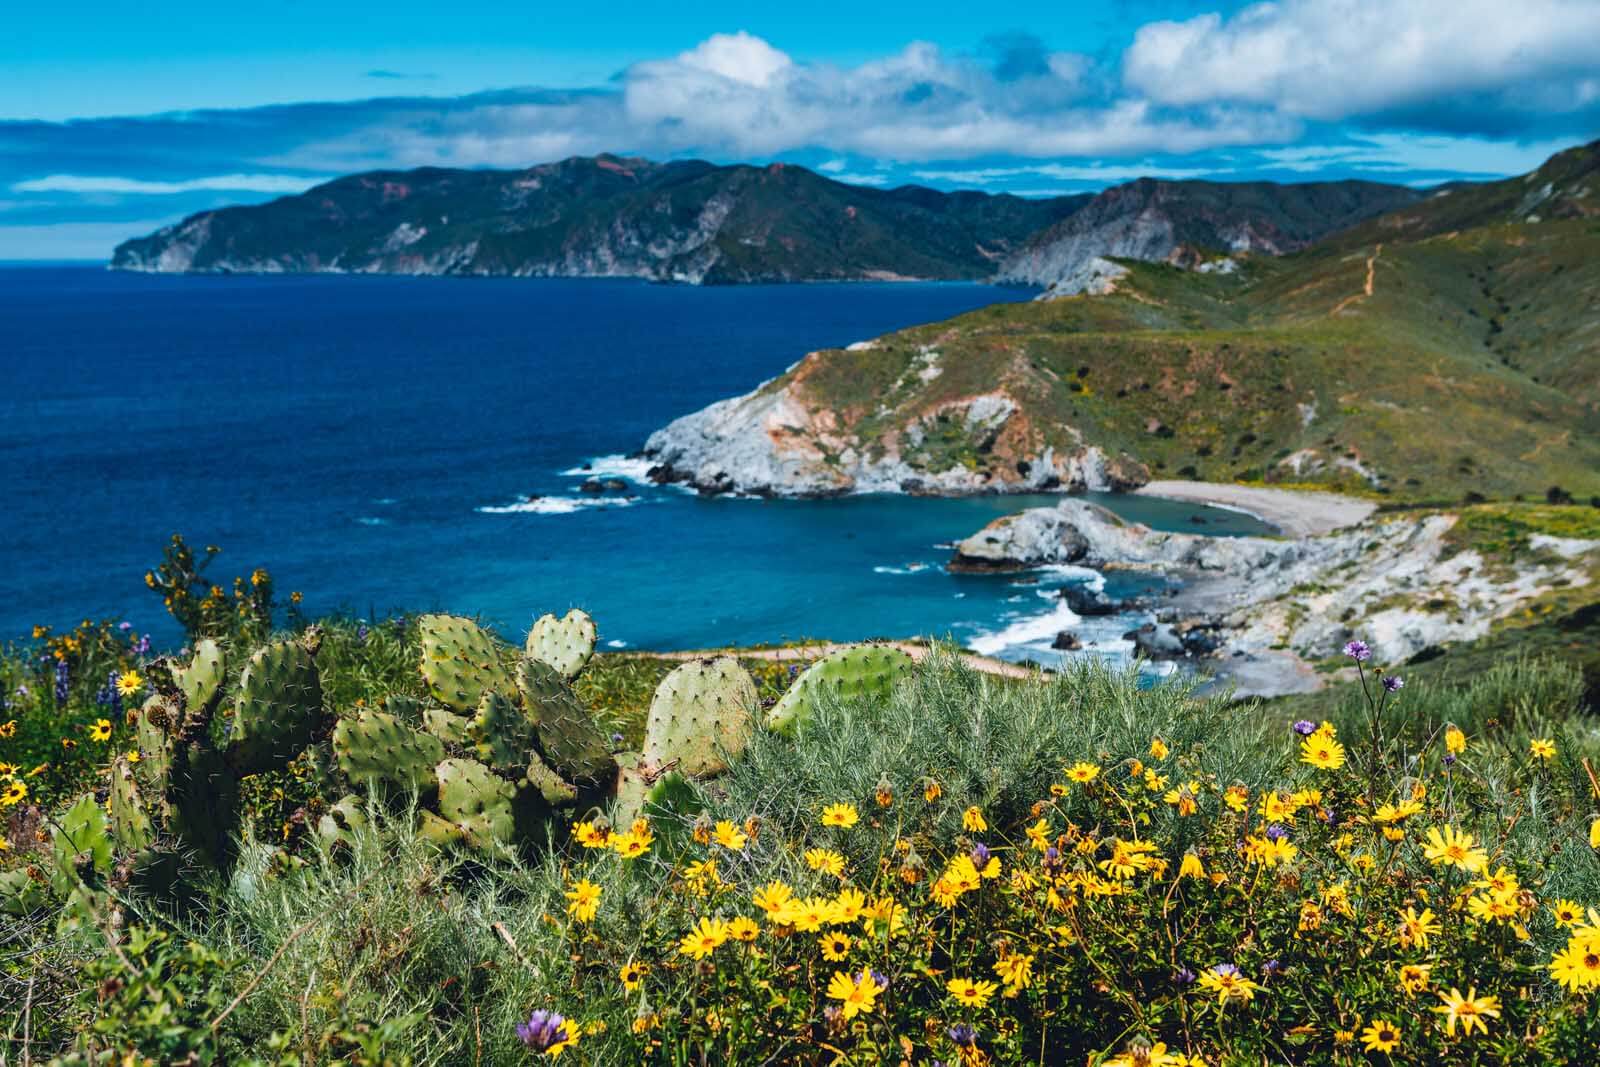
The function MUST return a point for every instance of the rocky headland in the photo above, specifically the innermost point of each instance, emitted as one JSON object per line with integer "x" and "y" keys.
{"x": 1260, "y": 613}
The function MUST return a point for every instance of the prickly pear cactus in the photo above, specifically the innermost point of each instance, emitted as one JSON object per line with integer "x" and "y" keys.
{"x": 500, "y": 733}
{"x": 375, "y": 748}
{"x": 576, "y": 746}
{"x": 20, "y": 892}
{"x": 155, "y": 724}
{"x": 279, "y": 708}
{"x": 461, "y": 661}
{"x": 203, "y": 796}
{"x": 342, "y": 821}
{"x": 130, "y": 820}
{"x": 202, "y": 679}
{"x": 447, "y": 726}
{"x": 565, "y": 643}
{"x": 476, "y": 802}
{"x": 849, "y": 674}
{"x": 700, "y": 711}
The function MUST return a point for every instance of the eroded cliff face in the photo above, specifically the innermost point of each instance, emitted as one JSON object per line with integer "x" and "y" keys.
{"x": 788, "y": 437}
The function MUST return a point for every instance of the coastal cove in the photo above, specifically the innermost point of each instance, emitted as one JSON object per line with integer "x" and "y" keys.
{"x": 408, "y": 444}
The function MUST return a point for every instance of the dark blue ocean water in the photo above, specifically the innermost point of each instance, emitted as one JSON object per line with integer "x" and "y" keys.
{"x": 367, "y": 440}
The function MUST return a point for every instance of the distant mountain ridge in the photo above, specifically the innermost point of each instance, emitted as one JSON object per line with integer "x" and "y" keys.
{"x": 699, "y": 223}
{"x": 1179, "y": 222}
{"x": 608, "y": 216}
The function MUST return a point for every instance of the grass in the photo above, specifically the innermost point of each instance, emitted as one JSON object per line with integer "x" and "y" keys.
{"x": 390, "y": 949}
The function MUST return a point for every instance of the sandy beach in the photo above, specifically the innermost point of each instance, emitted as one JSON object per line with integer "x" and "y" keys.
{"x": 1296, "y": 512}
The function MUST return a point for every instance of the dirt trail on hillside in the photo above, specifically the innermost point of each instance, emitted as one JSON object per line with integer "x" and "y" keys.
{"x": 984, "y": 664}
{"x": 1366, "y": 290}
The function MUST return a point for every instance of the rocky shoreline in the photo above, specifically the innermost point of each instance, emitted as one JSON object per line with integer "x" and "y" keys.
{"x": 1258, "y": 613}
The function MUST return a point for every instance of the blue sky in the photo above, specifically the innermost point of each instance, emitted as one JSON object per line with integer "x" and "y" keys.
{"x": 116, "y": 118}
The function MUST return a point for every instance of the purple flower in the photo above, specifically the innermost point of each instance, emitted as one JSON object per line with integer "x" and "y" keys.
{"x": 878, "y": 977}
{"x": 980, "y": 855}
{"x": 543, "y": 1029}
{"x": 61, "y": 681}
{"x": 1272, "y": 968}
{"x": 1393, "y": 683}
{"x": 1358, "y": 651}
{"x": 1449, "y": 759}
{"x": 361, "y": 633}
{"x": 1305, "y": 727}
{"x": 1184, "y": 976}
{"x": 1276, "y": 832}
{"x": 1224, "y": 970}
{"x": 141, "y": 647}
{"x": 124, "y": 625}
{"x": 962, "y": 1034}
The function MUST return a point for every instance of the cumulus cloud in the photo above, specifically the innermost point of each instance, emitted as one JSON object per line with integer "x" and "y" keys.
{"x": 1338, "y": 59}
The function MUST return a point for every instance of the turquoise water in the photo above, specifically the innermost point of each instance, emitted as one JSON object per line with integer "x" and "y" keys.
{"x": 372, "y": 441}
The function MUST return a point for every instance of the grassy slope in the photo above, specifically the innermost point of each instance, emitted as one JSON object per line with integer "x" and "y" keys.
{"x": 1470, "y": 368}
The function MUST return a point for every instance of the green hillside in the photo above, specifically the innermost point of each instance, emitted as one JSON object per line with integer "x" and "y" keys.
{"x": 1464, "y": 362}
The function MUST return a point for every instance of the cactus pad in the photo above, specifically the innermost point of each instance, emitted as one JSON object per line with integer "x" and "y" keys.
{"x": 565, "y": 643}
{"x": 572, "y": 741}
{"x": 447, "y": 726}
{"x": 130, "y": 822}
{"x": 500, "y": 733}
{"x": 202, "y": 679}
{"x": 700, "y": 711}
{"x": 279, "y": 708}
{"x": 204, "y": 796}
{"x": 476, "y": 802}
{"x": 460, "y": 661}
{"x": 375, "y": 748}
{"x": 555, "y": 791}
{"x": 340, "y": 822}
{"x": 154, "y": 725}
{"x": 865, "y": 671}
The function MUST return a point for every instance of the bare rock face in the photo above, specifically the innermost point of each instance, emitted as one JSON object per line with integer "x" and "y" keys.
{"x": 1396, "y": 582}
{"x": 778, "y": 441}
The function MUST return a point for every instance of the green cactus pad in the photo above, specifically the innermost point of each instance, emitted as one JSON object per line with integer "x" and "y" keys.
{"x": 154, "y": 726}
{"x": 700, "y": 711}
{"x": 82, "y": 843}
{"x": 461, "y": 661}
{"x": 130, "y": 822}
{"x": 556, "y": 792}
{"x": 408, "y": 710}
{"x": 158, "y": 873}
{"x": 862, "y": 672}
{"x": 500, "y": 733}
{"x": 573, "y": 743}
{"x": 202, "y": 679}
{"x": 447, "y": 726}
{"x": 204, "y": 798}
{"x": 279, "y": 708}
{"x": 439, "y": 831}
{"x": 20, "y": 892}
{"x": 565, "y": 643}
{"x": 378, "y": 749}
{"x": 342, "y": 821}
{"x": 477, "y": 802}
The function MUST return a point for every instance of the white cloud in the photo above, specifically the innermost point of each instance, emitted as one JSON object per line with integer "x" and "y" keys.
{"x": 1331, "y": 59}
{"x": 1387, "y": 151}
{"x": 242, "y": 183}
{"x": 1093, "y": 174}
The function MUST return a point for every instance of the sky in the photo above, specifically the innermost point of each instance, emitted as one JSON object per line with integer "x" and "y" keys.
{"x": 118, "y": 118}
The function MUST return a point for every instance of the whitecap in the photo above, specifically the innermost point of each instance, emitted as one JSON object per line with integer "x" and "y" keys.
{"x": 633, "y": 468}
{"x": 909, "y": 568}
{"x": 372, "y": 520}
{"x": 614, "y": 643}
{"x": 1025, "y": 631}
{"x": 384, "y": 500}
{"x": 556, "y": 505}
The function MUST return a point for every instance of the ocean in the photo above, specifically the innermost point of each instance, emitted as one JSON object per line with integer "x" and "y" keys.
{"x": 389, "y": 444}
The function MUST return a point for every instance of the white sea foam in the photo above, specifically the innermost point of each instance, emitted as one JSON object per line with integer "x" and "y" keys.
{"x": 1025, "y": 631}
{"x": 385, "y": 500}
{"x": 1086, "y": 576}
{"x": 614, "y": 643}
{"x": 909, "y": 568}
{"x": 633, "y": 468}
{"x": 372, "y": 520}
{"x": 556, "y": 505}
